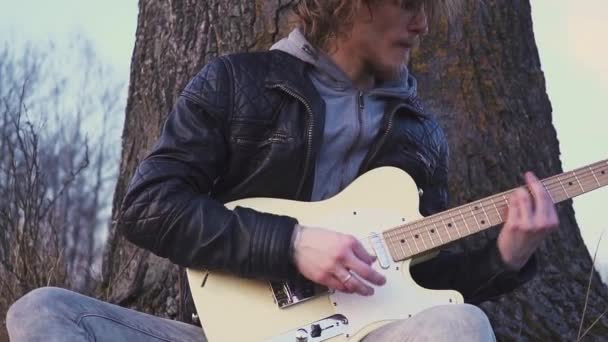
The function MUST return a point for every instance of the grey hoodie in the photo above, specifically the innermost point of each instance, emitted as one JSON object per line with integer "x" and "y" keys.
{"x": 352, "y": 117}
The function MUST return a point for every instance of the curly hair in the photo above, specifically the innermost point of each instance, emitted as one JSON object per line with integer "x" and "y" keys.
{"x": 322, "y": 20}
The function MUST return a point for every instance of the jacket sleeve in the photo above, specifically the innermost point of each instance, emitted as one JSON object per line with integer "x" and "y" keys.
{"x": 479, "y": 275}
{"x": 167, "y": 208}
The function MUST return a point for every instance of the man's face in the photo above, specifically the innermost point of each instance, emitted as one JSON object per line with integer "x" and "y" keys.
{"x": 384, "y": 39}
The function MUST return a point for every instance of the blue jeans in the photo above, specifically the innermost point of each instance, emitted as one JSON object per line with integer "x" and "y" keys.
{"x": 53, "y": 314}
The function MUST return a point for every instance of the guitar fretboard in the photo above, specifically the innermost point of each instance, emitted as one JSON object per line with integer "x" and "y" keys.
{"x": 440, "y": 229}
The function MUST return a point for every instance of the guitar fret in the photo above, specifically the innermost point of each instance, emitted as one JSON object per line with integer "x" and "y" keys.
{"x": 437, "y": 230}
{"x": 593, "y": 174}
{"x": 550, "y": 194}
{"x": 466, "y": 225}
{"x": 430, "y": 237}
{"x": 447, "y": 229}
{"x": 562, "y": 185}
{"x": 548, "y": 184}
{"x": 483, "y": 208}
{"x": 578, "y": 181}
{"x": 506, "y": 201}
{"x": 416, "y": 244}
{"x": 416, "y": 236}
{"x": 388, "y": 239}
{"x": 475, "y": 218}
{"x": 399, "y": 236}
{"x": 498, "y": 212}
{"x": 409, "y": 246}
{"x": 401, "y": 246}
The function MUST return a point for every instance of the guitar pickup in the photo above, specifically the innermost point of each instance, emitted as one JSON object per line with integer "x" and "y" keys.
{"x": 383, "y": 258}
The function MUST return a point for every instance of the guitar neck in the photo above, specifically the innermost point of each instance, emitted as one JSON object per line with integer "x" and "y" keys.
{"x": 434, "y": 231}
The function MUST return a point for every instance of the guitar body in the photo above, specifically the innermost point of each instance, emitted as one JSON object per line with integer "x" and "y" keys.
{"x": 379, "y": 208}
{"x": 237, "y": 309}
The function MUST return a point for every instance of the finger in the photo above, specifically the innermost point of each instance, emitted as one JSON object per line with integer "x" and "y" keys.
{"x": 545, "y": 216}
{"x": 334, "y": 283}
{"x": 542, "y": 200}
{"x": 526, "y": 208}
{"x": 353, "y": 283}
{"x": 342, "y": 276}
{"x": 513, "y": 211}
{"x": 363, "y": 254}
{"x": 365, "y": 271}
{"x": 360, "y": 287}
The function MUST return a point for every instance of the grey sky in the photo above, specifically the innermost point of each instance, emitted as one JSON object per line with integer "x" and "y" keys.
{"x": 568, "y": 35}
{"x": 574, "y": 59}
{"x": 109, "y": 23}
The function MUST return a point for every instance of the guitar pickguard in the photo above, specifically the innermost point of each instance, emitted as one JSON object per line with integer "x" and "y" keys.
{"x": 297, "y": 309}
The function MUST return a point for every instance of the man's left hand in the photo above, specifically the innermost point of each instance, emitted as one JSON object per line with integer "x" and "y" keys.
{"x": 530, "y": 218}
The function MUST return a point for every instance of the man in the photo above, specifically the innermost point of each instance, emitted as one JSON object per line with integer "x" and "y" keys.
{"x": 326, "y": 104}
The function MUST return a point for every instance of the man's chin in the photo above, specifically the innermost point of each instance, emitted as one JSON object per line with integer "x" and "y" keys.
{"x": 390, "y": 73}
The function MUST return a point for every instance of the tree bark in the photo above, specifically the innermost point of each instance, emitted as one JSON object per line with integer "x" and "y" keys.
{"x": 480, "y": 73}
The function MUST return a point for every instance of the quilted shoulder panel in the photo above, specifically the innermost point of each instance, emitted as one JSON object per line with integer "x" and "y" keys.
{"x": 211, "y": 88}
{"x": 252, "y": 74}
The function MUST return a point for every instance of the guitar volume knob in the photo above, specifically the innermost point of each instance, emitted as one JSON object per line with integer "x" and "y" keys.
{"x": 315, "y": 330}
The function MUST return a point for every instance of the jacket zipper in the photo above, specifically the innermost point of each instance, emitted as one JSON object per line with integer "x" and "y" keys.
{"x": 361, "y": 105}
{"x": 276, "y": 137}
{"x": 311, "y": 123}
{"x": 361, "y": 101}
{"x": 365, "y": 165}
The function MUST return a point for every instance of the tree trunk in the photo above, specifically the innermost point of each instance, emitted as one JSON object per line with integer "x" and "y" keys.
{"x": 481, "y": 74}
{"x": 485, "y": 82}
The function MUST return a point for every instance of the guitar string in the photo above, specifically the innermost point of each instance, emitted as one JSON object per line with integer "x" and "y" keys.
{"x": 408, "y": 232}
{"x": 415, "y": 231}
{"x": 497, "y": 201}
{"x": 491, "y": 200}
{"x": 589, "y": 178}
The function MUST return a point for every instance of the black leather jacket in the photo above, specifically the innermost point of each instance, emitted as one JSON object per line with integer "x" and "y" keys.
{"x": 250, "y": 125}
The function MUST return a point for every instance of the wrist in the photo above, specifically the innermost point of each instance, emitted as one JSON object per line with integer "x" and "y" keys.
{"x": 511, "y": 264}
{"x": 509, "y": 260}
{"x": 295, "y": 238}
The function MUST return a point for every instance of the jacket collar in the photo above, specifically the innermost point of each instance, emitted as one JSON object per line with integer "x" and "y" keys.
{"x": 292, "y": 73}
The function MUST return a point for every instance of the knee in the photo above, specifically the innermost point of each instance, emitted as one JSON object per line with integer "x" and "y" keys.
{"x": 472, "y": 314}
{"x": 469, "y": 312}
{"x": 36, "y": 304}
{"x": 468, "y": 321}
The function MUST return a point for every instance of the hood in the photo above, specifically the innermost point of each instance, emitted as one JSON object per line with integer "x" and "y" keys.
{"x": 332, "y": 75}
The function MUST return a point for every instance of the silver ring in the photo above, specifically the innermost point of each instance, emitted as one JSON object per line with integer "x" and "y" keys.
{"x": 350, "y": 275}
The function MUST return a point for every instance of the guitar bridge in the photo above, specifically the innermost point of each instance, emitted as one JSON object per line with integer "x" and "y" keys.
{"x": 291, "y": 292}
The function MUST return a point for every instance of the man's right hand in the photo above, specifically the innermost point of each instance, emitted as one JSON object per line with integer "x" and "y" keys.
{"x": 335, "y": 260}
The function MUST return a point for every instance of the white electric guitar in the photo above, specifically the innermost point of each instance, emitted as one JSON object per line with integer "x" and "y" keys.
{"x": 381, "y": 209}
